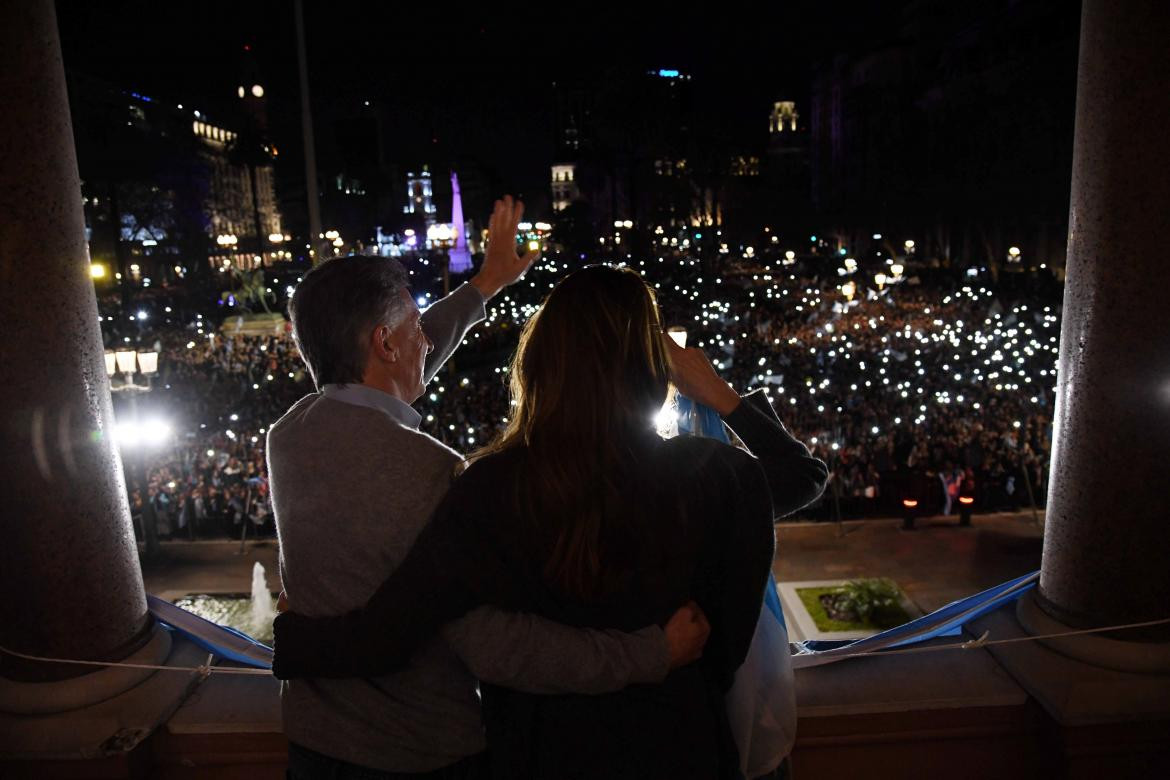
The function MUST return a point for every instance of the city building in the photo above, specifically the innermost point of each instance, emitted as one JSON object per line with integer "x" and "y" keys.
{"x": 361, "y": 186}
{"x": 786, "y": 172}
{"x": 564, "y": 185}
{"x": 240, "y": 207}
{"x": 420, "y": 197}
{"x": 169, "y": 191}
{"x": 951, "y": 129}
{"x": 783, "y": 118}
{"x": 614, "y": 174}
{"x": 639, "y": 146}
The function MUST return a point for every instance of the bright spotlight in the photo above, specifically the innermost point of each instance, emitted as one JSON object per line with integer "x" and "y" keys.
{"x": 145, "y": 433}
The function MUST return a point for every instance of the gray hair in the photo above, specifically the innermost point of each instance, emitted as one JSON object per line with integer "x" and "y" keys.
{"x": 335, "y": 306}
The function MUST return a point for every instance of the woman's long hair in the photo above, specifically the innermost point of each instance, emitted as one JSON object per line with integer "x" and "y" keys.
{"x": 587, "y": 378}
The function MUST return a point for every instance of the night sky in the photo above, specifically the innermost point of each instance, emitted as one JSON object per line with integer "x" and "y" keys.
{"x": 458, "y": 82}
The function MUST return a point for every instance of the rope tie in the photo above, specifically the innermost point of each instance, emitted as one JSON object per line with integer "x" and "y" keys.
{"x": 984, "y": 641}
{"x": 205, "y": 670}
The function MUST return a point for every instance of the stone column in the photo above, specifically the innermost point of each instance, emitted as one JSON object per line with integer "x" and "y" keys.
{"x": 70, "y": 583}
{"x": 1107, "y": 541}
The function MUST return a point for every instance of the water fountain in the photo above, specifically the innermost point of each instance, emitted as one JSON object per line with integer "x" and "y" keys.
{"x": 261, "y": 610}
{"x": 251, "y": 614}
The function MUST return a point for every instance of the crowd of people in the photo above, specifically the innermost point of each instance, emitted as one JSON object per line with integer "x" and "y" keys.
{"x": 906, "y": 391}
{"x": 220, "y": 394}
{"x": 935, "y": 380}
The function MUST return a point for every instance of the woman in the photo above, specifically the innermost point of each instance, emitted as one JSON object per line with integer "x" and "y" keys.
{"x": 581, "y": 513}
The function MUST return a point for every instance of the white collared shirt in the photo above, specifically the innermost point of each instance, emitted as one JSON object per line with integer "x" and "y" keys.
{"x": 364, "y": 395}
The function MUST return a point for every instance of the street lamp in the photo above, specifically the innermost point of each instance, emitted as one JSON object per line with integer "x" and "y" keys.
{"x": 880, "y": 280}
{"x": 443, "y": 236}
{"x": 125, "y": 359}
{"x": 849, "y": 289}
{"x": 134, "y": 434}
{"x": 1013, "y": 254}
{"x": 896, "y": 269}
{"x": 148, "y": 363}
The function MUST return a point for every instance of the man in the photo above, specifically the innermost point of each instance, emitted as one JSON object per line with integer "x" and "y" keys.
{"x": 353, "y": 482}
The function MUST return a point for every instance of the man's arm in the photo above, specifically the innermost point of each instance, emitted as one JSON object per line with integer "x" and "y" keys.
{"x": 450, "y": 570}
{"x": 536, "y": 655}
{"x": 447, "y": 321}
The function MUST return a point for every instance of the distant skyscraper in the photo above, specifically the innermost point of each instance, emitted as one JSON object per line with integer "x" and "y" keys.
{"x": 460, "y": 257}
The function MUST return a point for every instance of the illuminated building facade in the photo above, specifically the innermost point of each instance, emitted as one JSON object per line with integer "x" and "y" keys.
{"x": 241, "y": 200}
{"x": 564, "y": 185}
{"x": 783, "y": 117}
{"x": 420, "y": 197}
{"x": 168, "y": 191}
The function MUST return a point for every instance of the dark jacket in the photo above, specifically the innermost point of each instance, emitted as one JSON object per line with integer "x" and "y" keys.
{"x": 703, "y": 532}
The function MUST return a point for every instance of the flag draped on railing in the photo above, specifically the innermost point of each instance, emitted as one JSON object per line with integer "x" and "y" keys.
{"x": 947, "y": 621}
{"x": 222, "y": 641}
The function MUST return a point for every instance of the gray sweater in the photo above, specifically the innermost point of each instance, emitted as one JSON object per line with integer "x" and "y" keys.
{"x": 352, "y": 487}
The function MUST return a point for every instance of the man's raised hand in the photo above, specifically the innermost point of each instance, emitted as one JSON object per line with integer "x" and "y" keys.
{"x": 502, "y": 264}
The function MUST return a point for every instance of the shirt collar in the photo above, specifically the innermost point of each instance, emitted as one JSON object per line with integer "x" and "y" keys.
{"x": 364, "y": 395}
